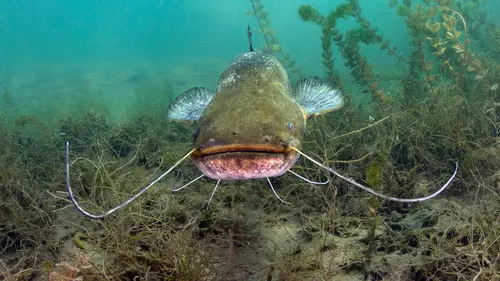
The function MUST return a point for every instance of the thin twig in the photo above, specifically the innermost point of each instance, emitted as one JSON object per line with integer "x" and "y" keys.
{"x": 360, "y": 130}
{"x": 354, "y": 160}
{"x": 260, "y": 25}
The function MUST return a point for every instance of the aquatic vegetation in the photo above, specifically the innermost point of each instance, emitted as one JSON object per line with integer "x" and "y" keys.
{"x": 444, "y": 108}
{"x": 348, "y": 44}
{"x": 271, "y": 39}
{"x": 167, "y": 236}
{"x": 374, "y": 175}
{"x": 83, "y": 132}
{"x": 437, "y": 30}
{"x": 494, "y": 35}
{"x": 442, "y": 49}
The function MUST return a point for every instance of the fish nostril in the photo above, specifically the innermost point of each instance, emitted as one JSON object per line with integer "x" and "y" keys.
{"x": 234, "y": 133}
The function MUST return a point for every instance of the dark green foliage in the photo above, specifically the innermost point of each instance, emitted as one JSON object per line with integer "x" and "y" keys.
{"x": 308, "y": 13}
{"x": 82, "y": 133}
{"x": 348, "y": 43}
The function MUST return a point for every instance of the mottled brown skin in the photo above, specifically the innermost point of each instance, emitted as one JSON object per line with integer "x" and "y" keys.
{"x": 246, "y": 130}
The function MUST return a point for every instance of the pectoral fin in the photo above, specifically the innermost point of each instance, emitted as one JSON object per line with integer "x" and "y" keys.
{"x": 317, "y": 97}
{"x": 189, "y": 105}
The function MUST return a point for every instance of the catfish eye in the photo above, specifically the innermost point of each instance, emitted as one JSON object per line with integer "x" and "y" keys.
{"x": 291, "y": 127}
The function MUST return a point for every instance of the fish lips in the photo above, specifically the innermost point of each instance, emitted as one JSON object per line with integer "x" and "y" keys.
{"x": 244, "y": 161}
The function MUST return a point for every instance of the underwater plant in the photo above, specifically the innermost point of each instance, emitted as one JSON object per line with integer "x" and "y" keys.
{"x": 348, "y": 44}
{"x": 440, "y": 39}
{"x": 494, "y": 35}
{"x": 269, "y": 35}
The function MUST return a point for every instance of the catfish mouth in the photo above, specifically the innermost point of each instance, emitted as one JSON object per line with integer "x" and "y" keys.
{"x": 243, "y": 162}
{"x": 237, "y": 147}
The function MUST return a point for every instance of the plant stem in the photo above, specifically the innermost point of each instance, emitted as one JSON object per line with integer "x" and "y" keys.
{"x": 260, "y": 25}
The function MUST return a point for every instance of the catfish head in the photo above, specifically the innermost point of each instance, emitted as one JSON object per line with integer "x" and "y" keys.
{"x": 248, "y": 127}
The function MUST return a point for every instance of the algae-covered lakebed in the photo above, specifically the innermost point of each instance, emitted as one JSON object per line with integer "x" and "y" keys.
{"x": 421, "y": 83}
